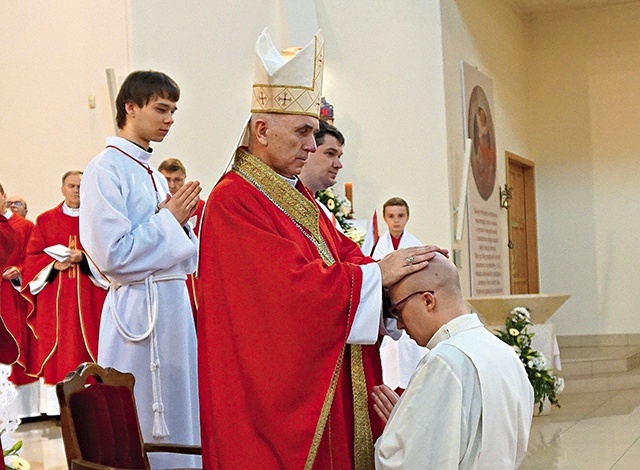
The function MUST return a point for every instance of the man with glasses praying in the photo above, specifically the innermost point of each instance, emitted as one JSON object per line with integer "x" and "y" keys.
{"x": 469, "y": 403}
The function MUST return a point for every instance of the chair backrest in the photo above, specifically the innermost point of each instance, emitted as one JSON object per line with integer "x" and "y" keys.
{"x": 99, "y": 419}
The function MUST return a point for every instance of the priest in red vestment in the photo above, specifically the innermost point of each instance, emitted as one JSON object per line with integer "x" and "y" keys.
{"x": 176, "y": 174}
{"x": 8, "y": 346}
{"x": 14, "y": 307}
{"x": 68, "y": 289}
{"x": 286, "y": 301}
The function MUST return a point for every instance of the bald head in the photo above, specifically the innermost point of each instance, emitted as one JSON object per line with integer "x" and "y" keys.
{"x": 440, "y": 276}
{"x": 439, "y": 302}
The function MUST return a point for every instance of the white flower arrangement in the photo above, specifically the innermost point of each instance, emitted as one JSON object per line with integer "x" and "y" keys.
{"x": 546, "y": 385}
{"x": 341, "y": 209}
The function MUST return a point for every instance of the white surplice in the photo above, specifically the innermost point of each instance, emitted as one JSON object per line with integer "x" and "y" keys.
{"x": 147, "y": 317}
{"x": 399, "y": 358}
{"x": 469, "y": 405}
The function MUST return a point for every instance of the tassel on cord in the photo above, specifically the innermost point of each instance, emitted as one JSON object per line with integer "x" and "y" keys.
{"x": 160, "y": 428}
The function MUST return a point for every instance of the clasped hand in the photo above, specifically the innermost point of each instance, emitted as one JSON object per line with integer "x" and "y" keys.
{"x": 384, "y": 399}
{"x": 75, "y": 256}
{"x": 184, "y": 202}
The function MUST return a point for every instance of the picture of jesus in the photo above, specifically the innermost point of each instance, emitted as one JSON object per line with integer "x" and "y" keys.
{"x": 483, "y": 156}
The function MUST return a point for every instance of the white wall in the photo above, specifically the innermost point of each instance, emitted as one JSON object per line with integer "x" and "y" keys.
{"x": 585, "y": 128}
{"x": 491, "y": 37}
{"x": 54, "y": 56}
{"x": 383, "y": 75}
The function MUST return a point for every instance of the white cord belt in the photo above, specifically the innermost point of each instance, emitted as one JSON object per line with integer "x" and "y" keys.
{"x": 151, "y": 289}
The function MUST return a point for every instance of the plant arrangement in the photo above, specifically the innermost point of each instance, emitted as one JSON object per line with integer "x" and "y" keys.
{"x": 546, "y": 385}
{"x": 341, "y": 209}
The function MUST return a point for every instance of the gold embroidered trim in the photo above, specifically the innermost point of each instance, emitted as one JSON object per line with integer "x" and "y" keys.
{"x": 363, "y": 442}
{"x": 304, "y": 213}
{"x": 324, "y": 414}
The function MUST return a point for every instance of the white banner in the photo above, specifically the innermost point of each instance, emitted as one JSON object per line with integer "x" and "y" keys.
{"x": 485, "y": 253}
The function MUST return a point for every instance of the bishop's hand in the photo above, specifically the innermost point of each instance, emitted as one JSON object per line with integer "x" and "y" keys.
{"x": 400, "y": 263}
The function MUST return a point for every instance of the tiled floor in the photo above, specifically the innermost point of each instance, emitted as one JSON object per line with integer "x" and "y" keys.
{"x": 598, "y": 430}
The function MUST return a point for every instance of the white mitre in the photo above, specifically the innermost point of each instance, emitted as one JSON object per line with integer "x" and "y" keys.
{"x": 285, "y": 87}
{"x": 292, "y": 87}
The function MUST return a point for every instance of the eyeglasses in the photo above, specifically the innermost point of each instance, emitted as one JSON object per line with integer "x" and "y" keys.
{"x": 14, "y": 203}
{"x": 395, "y": 310}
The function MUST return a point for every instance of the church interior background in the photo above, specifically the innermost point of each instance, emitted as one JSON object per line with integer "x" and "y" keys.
{"x": 565, "y": 79}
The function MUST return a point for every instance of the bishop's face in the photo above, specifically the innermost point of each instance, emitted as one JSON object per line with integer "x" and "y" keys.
{"x": 288, "y": 141}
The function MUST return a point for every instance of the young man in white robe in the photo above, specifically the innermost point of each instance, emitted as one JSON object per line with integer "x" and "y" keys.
{"x": 469, "y": 403}
{"x": 399, "y": 357}
{"x": 138, "y": 235}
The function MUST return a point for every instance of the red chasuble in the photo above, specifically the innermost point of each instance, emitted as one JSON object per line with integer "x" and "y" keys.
{"x": 8, "y": 346}
{"x": 67, "y": 311}
{"x": 273, "y": 321}
{"x": 14, "y": 307}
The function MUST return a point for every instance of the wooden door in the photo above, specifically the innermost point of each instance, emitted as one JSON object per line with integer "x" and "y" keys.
{"x": 523, "y": 240}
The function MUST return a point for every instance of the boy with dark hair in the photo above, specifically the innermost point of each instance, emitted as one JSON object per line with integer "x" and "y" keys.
{"x": 137, "y": 234}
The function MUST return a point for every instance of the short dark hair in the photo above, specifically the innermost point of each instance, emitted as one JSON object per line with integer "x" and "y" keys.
{"x": 171, "y": 165}
{"x": 326, "y": 128}
{"x": 69, "y": 173}
{"x": 395, "y": 201}
{"x": 139, "y": 87}
{"x": 1, "y": 190}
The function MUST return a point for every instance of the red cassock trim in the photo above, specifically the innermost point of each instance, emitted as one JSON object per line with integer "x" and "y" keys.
{"x": 272, "y": 321}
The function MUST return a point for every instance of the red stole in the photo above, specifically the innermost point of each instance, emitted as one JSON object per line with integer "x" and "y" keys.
{"x": 273, "y": 320}
{"x": 66, "y": 318}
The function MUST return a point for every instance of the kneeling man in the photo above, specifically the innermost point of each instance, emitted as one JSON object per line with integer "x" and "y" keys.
{"x": 469, "y": 403}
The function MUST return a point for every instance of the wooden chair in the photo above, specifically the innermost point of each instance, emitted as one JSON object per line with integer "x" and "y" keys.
{"x": 100, "y": 427}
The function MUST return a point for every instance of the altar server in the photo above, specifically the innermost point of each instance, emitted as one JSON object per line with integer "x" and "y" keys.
{"x": 399, "y": 358}
{"x": 138, "y": 235}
